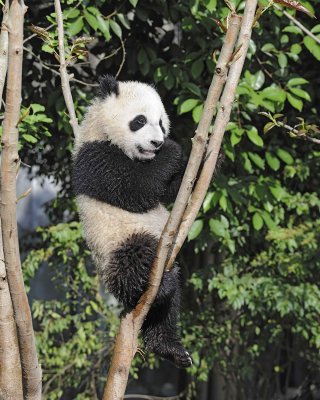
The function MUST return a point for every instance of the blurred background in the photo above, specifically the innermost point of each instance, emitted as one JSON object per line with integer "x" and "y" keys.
{"x": 250, "y": 270}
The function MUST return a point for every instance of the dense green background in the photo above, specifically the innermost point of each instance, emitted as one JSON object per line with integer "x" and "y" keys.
{"x": 251, "y": 268}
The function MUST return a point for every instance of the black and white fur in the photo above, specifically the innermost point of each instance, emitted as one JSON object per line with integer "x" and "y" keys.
{"x": 125, "y": 170}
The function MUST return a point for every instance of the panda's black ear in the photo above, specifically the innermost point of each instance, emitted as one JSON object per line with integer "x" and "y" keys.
{"x": 108, "y": 85}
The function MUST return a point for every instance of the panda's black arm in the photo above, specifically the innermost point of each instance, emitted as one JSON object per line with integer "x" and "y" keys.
{"x": 104, "y": 172}
{"x": 174, "y": 184}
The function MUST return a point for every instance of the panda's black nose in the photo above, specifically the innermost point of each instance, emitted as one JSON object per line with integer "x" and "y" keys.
{"x": 157, "y": 143}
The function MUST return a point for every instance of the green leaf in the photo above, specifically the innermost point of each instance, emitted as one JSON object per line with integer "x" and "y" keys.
{"x": 282, "y": 60}
{"x": 272, "y": 161}
{"x": 235, "y": 137}
{"x": 188, "y": 105}
{"x": 211, "y": 5}
{"x": 268, "y": 220}
{"x": 217, "y": 227}
{"x": 254, "y": 136}
{"x": 195, "y": 229}
{"x": 268, "y": 126}
{"x": 256, "y": 159}
{"x": 207, "y": 201}
{"x": 316, "y": 29}
{"x": 295, "y": 48}
{"x": 116, "y": 28}
{"x": 197, "y": 112}
{"x": 46, "y": 48}
{"x": 194, "y": 89}
{"x": 295, "y": 102}
{"x": 92, "y": 21}
{"x": 134, "y": 2}
{"x": 258, "y": 80}
{"x": 274, "y": 93}
{"x": 70, "y": 13}
{"x": 277, "y": 192}
{"x": 197, "y": 68}
{"x": 268, "y": 47}
{"x": 29, "y": 138}
{"x": 124, "y": 20}
{"x": 297, "y": 82}
{"x": 75, "y": 27}
{"x": 312, "y": 46}
{"x": 293, "y": 29}
{"x": 285, "y": 156}
{"x": 257, "y": 221}
{"x": 300, "y": 93}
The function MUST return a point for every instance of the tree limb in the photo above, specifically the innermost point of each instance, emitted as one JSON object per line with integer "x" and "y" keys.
{"x": 222, "y": 119}
{"x": 63, "y": 71}
{"x": 4, "y": 42}
{"x": 31, "y": 370}
{"x": 126, "y": 342}
{"x": 299, "y": 24}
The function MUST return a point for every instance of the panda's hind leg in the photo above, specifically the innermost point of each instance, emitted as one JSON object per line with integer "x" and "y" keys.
{"x": 160, "y": 332}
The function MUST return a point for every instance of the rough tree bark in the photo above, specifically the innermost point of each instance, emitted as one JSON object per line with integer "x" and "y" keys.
{"x": 10, "y": 364}
{"x": 4, "y": 42}
{"x": 31, "y": 370}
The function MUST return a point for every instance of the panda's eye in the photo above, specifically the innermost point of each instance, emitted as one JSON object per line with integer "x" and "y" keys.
{"x": 137, "y": 123}
{"x": 161, "y": 126}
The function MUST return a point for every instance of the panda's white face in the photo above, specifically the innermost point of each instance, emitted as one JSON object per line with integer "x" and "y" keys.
{"x": 134, "y": 119}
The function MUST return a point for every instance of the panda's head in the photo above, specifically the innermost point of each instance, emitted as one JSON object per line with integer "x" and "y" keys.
{"x": 128, "y": 114}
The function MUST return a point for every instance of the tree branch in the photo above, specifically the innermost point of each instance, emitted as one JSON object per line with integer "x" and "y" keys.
{"x": 4, "y": 42}
{"x": 298, "y": 133}
{"x": 63, "y": 71}
{"x": 222, "y": 119}
{"x": 31, "y": 370}
{"x": 126, "y": 342}
{"x": 299, "y": 24}
{"x": 10, "y": 371}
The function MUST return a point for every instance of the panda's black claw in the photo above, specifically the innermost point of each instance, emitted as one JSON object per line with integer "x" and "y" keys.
{"x": 178, "y": 356}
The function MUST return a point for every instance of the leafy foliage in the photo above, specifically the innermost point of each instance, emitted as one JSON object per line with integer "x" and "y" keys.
{"x": 252, "y": 282}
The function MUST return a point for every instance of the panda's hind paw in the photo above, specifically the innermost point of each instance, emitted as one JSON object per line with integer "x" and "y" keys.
{"x": 182, "y": 359}
{"x": 178, "y": 356}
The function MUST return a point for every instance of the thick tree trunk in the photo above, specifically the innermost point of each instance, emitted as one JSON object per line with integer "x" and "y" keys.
{"x": 10, "y": 367}
{"x": 9, "y": 164}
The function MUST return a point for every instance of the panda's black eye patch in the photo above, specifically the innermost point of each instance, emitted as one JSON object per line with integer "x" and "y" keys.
{"x": 137, "y": 123}
{"x": 161, "y": 126}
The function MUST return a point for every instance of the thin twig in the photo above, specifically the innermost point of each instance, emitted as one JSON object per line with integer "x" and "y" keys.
{"x": 63, "y": 71}
{"x": 52, "y": 25}
{"x": 31, "y": 370}
{"x": 54, "y": 71}
{"x": 298, "y": 133}
{"x": 126, "y": 342}
{"x": 124, "y": 53}
{"x": 222, "y": 119}
{"x": 299, "y": 24}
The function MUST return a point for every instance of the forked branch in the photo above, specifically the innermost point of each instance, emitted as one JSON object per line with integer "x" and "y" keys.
{"x": 221, "y": 121}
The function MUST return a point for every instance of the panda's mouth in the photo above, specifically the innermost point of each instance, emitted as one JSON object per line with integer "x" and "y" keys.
{"x": 148, "y": 153}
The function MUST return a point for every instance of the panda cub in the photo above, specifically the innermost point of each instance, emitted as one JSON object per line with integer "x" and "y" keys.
{"x": 125, "y": 170}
